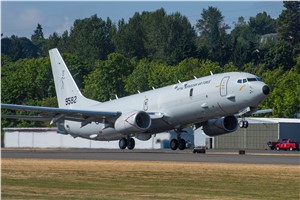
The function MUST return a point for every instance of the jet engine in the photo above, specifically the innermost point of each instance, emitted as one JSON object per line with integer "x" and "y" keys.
{"x": 133, "y": 122}
{"x": 219, "y": 126}
{"x": 143, "y": 136}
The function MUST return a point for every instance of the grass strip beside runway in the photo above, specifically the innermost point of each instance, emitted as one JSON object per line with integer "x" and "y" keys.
{"x": 79, "y": 179}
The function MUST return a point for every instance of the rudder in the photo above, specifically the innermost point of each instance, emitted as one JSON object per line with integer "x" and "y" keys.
{"x": 68, "y": 94}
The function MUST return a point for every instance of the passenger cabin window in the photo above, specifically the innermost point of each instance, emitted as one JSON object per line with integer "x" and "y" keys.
{"x": 191, "y": 92}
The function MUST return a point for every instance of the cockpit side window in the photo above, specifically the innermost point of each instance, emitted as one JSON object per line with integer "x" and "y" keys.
{"x": 242, "y": 81}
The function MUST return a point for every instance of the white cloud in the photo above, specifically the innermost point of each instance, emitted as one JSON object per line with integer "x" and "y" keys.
{"x": 66, "y": 25}
{"x": 29, "y": 17}
{"x": 20, "y": 21}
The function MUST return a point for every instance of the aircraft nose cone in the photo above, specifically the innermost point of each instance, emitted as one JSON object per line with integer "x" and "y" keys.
{"x": 266, "y": 89}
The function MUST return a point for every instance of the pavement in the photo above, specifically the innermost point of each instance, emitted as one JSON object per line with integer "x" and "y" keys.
{"x": 211, "y": 156}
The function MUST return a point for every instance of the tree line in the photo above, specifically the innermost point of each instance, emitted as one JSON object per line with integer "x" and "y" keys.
{"x": 154, "y": 49}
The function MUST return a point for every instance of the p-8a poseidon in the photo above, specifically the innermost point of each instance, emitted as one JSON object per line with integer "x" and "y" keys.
{"x": 210, "y": 103}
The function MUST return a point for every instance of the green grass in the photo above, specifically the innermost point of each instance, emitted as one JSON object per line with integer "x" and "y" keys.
{"x": 59, "y": 179}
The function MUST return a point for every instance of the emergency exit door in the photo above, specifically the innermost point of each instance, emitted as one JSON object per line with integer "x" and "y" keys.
{"x": 223, "y": 86}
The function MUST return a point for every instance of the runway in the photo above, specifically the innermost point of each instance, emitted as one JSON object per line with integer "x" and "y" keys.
{"x": 213, "y": 156}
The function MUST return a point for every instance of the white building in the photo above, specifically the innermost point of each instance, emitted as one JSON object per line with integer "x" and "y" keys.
{"x": 49, "y": 138}
{"x": 256, "y": 136}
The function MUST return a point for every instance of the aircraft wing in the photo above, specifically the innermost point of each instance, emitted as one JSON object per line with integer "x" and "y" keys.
{"x": 57, "y": 114}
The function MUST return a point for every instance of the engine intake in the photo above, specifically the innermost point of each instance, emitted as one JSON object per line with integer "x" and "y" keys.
{"x": 133, "y": 122}
{"x": 219, "y": 126}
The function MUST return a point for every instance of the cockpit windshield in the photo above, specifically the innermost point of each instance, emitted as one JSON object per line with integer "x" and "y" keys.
{"x": 259, "y": 79}
{"x": 244, "y": 80}
{"x": 251, "y": 79}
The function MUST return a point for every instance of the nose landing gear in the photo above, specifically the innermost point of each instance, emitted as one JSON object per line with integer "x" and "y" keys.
{"x": 244, "y": 124}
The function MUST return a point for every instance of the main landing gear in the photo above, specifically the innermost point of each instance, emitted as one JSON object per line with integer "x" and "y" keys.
{"x": 129, "y": 143}
{"x": 178, "y": 143}
{"x": 244, "y": 124}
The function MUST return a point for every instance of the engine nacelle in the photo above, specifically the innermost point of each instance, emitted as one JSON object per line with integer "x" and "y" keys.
{"x": 143, "y": 136}
{"x": 219, "y": 126}
{"x": 133, "y": 122}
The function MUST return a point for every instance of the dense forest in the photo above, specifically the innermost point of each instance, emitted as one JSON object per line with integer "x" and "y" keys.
{"x": 154, "y": 49}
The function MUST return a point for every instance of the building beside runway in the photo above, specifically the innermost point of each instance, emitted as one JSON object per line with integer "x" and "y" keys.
{"x": 49, "y": 138}
{"x": 256, "y": 136}
{"x": 259, "y": 133}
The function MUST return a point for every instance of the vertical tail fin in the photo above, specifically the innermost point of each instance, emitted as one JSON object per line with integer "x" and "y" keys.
{"x": 68, "y": 94}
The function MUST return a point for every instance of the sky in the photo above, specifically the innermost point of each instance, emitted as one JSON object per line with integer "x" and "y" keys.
{"x": 21, "y": 17}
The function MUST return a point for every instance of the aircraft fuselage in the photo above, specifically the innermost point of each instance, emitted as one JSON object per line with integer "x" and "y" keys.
{"x": 181, "y": 104}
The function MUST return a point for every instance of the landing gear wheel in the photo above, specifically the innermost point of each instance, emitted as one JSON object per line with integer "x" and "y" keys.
{"x": 130, "y": 143}
{"x": 181, "y": 144}
{"x": 174, "y": 144}
{"x": 123, "y": 143}
{"x": 241, "y": 124}
{"x": 244, "y": 124}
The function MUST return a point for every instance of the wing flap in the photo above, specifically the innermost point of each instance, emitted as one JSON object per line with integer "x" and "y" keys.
{"x": 26, "y": 117}
{"x": 263, "y": 111}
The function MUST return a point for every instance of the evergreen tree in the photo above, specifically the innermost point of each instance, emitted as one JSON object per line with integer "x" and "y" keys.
{"x": 243, "y": 43}
{"x": 18, "y": 48}
{"x": 39, "y": 41}
{"x": 90, "y": 38}
{"x": 262, "y": 24}
{"x": 38, "y": 34}
{"x": 213, "y": 39}
{"x": 289, "y": 22}
{"x": 129, "y": 38}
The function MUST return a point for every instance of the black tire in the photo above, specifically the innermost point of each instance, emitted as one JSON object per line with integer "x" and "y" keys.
{"x": 130, "y": 143}
{"x": 241, "y": 124}
{"x": 174, "y": 144}
{"x": 245, "y": 124}
{"x": 277, "y": 148}
{"x": 181, "y": 144}
{"x": 123, "y": 143}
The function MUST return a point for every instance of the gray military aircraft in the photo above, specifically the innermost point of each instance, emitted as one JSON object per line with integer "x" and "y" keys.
{"x": 210, "y": 102}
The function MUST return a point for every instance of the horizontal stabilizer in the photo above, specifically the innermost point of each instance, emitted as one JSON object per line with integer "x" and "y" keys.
{"x": 248, "y": 111}
{"x": 263, "y": 111}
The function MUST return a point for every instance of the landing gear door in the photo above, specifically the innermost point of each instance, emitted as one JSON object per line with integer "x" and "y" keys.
{"x": 223, "y": 86}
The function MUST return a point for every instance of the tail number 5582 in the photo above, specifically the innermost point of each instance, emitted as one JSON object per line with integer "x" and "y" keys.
{"x": 71, "y": 100}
